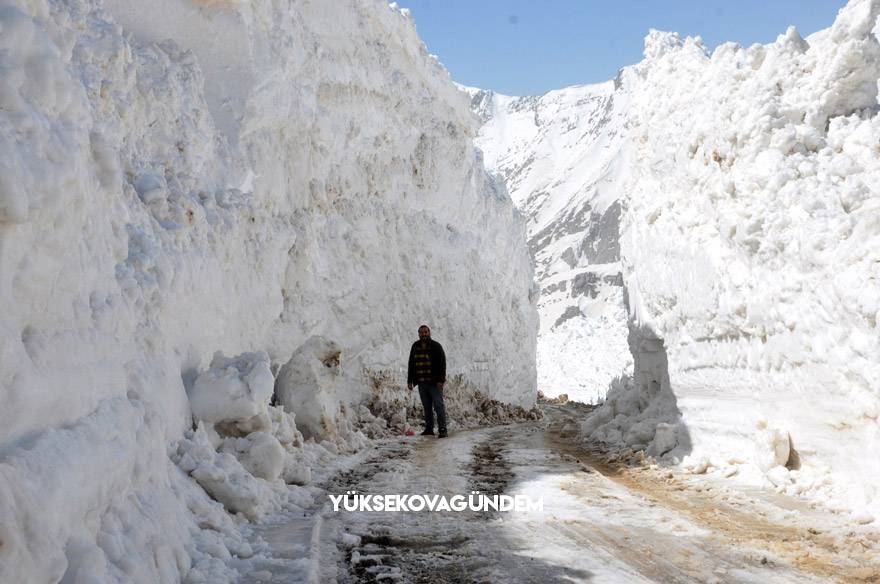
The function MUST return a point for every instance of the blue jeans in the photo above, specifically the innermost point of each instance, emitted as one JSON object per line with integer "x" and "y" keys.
{"x": 432, "y": 399}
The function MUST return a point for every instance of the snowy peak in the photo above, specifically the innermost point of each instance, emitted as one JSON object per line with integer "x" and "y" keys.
{"x": 482, "y": 101}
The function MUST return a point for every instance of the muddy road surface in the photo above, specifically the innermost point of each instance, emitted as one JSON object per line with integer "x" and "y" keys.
{"x": 603, "y": 520}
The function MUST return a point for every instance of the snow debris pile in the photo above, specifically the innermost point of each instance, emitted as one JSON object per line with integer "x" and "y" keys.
{"x": 468, "y": 407}
{"x": 240, "y": 438}
{"x": 750, "y": 259}
{"x": 640, "y": 411}
{"x": 181, "y": 181}
{"x": 393, "y": 409}
{"x": 307, "y": 387}
{"x": 224, "y": 477}
{"x": 560, "y": 156}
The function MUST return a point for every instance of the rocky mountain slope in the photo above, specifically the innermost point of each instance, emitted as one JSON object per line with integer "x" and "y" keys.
{"x": 560, "y": 157}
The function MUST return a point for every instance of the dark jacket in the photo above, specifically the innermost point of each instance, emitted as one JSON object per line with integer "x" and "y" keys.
{"x": 438, "y": 362}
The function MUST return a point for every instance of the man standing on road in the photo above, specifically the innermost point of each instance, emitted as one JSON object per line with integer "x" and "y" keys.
{"x": 427, "y": 369}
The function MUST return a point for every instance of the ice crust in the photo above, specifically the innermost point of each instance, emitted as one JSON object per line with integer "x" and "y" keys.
{"x": 180, "y": 179}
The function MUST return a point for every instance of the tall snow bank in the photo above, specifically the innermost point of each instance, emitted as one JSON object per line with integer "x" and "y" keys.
{"x": 179, "y": 178}
{"x": 750, "y": 250}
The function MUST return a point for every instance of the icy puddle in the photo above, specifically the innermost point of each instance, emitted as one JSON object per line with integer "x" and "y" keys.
{"x": 598, "y": 524}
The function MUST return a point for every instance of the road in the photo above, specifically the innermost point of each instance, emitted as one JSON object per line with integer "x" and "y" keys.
{"x": 603, "y": 520}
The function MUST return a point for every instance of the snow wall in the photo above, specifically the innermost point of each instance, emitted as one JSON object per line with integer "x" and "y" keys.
{"x": 750, "y": 249}
{"x": 180, "y": 177}
{"x": 748, "y": 185}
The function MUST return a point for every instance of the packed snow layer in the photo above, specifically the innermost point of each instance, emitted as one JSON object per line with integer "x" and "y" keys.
{"x": 180, "y": 178}
{"x": 751, "y": 257}
{"x": 560, "y": 157}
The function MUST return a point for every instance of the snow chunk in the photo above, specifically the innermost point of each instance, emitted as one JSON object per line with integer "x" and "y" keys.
{"x": 659, "y": 43}
{"x": 306, "y": 385}
{"x": 779, "y": 476}
{"x": 695, "y": 464}
{"x": 234, "y": 391}
{"x": 259, "y": 452}
{"x": 665, "y": 439}
{"x": 772, "y": 447}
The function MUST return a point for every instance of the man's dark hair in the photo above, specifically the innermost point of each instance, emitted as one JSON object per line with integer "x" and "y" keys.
{"x": 424, "y": 326}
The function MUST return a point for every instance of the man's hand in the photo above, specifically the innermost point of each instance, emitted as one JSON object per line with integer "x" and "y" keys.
{"x": 409, "y": 386}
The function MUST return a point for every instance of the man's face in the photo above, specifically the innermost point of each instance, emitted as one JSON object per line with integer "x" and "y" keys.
{"x": 424, "y": 333}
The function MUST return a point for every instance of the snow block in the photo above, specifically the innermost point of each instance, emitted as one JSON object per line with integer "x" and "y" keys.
{"x": 234, "y": 392}
{"x": 772, "y": 447}
{"x": 259, "y": 452}
{"x": 665, "y": 439}
{"x": 307, "y": 384}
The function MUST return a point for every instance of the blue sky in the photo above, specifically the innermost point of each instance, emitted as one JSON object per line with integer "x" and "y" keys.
{"x": 528, "y": 47}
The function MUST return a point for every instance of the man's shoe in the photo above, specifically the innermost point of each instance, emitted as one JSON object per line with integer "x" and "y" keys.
{"x": 442, "y": 434}
{"x": 427, "y": 433}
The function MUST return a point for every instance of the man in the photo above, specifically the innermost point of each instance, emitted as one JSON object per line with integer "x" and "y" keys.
{"x": 427, "y": 369}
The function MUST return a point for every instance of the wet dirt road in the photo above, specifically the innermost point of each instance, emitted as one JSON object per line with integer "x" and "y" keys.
{"x": 602, "y": 521}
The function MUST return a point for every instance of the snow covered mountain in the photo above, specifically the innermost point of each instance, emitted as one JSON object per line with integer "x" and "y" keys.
{"x": 560, "y": 157}
{"x": 748, "y": 183}
{"x": 257, "y": 179}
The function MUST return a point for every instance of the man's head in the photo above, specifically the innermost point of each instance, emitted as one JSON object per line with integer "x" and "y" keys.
{"x": 424, "y": 332}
